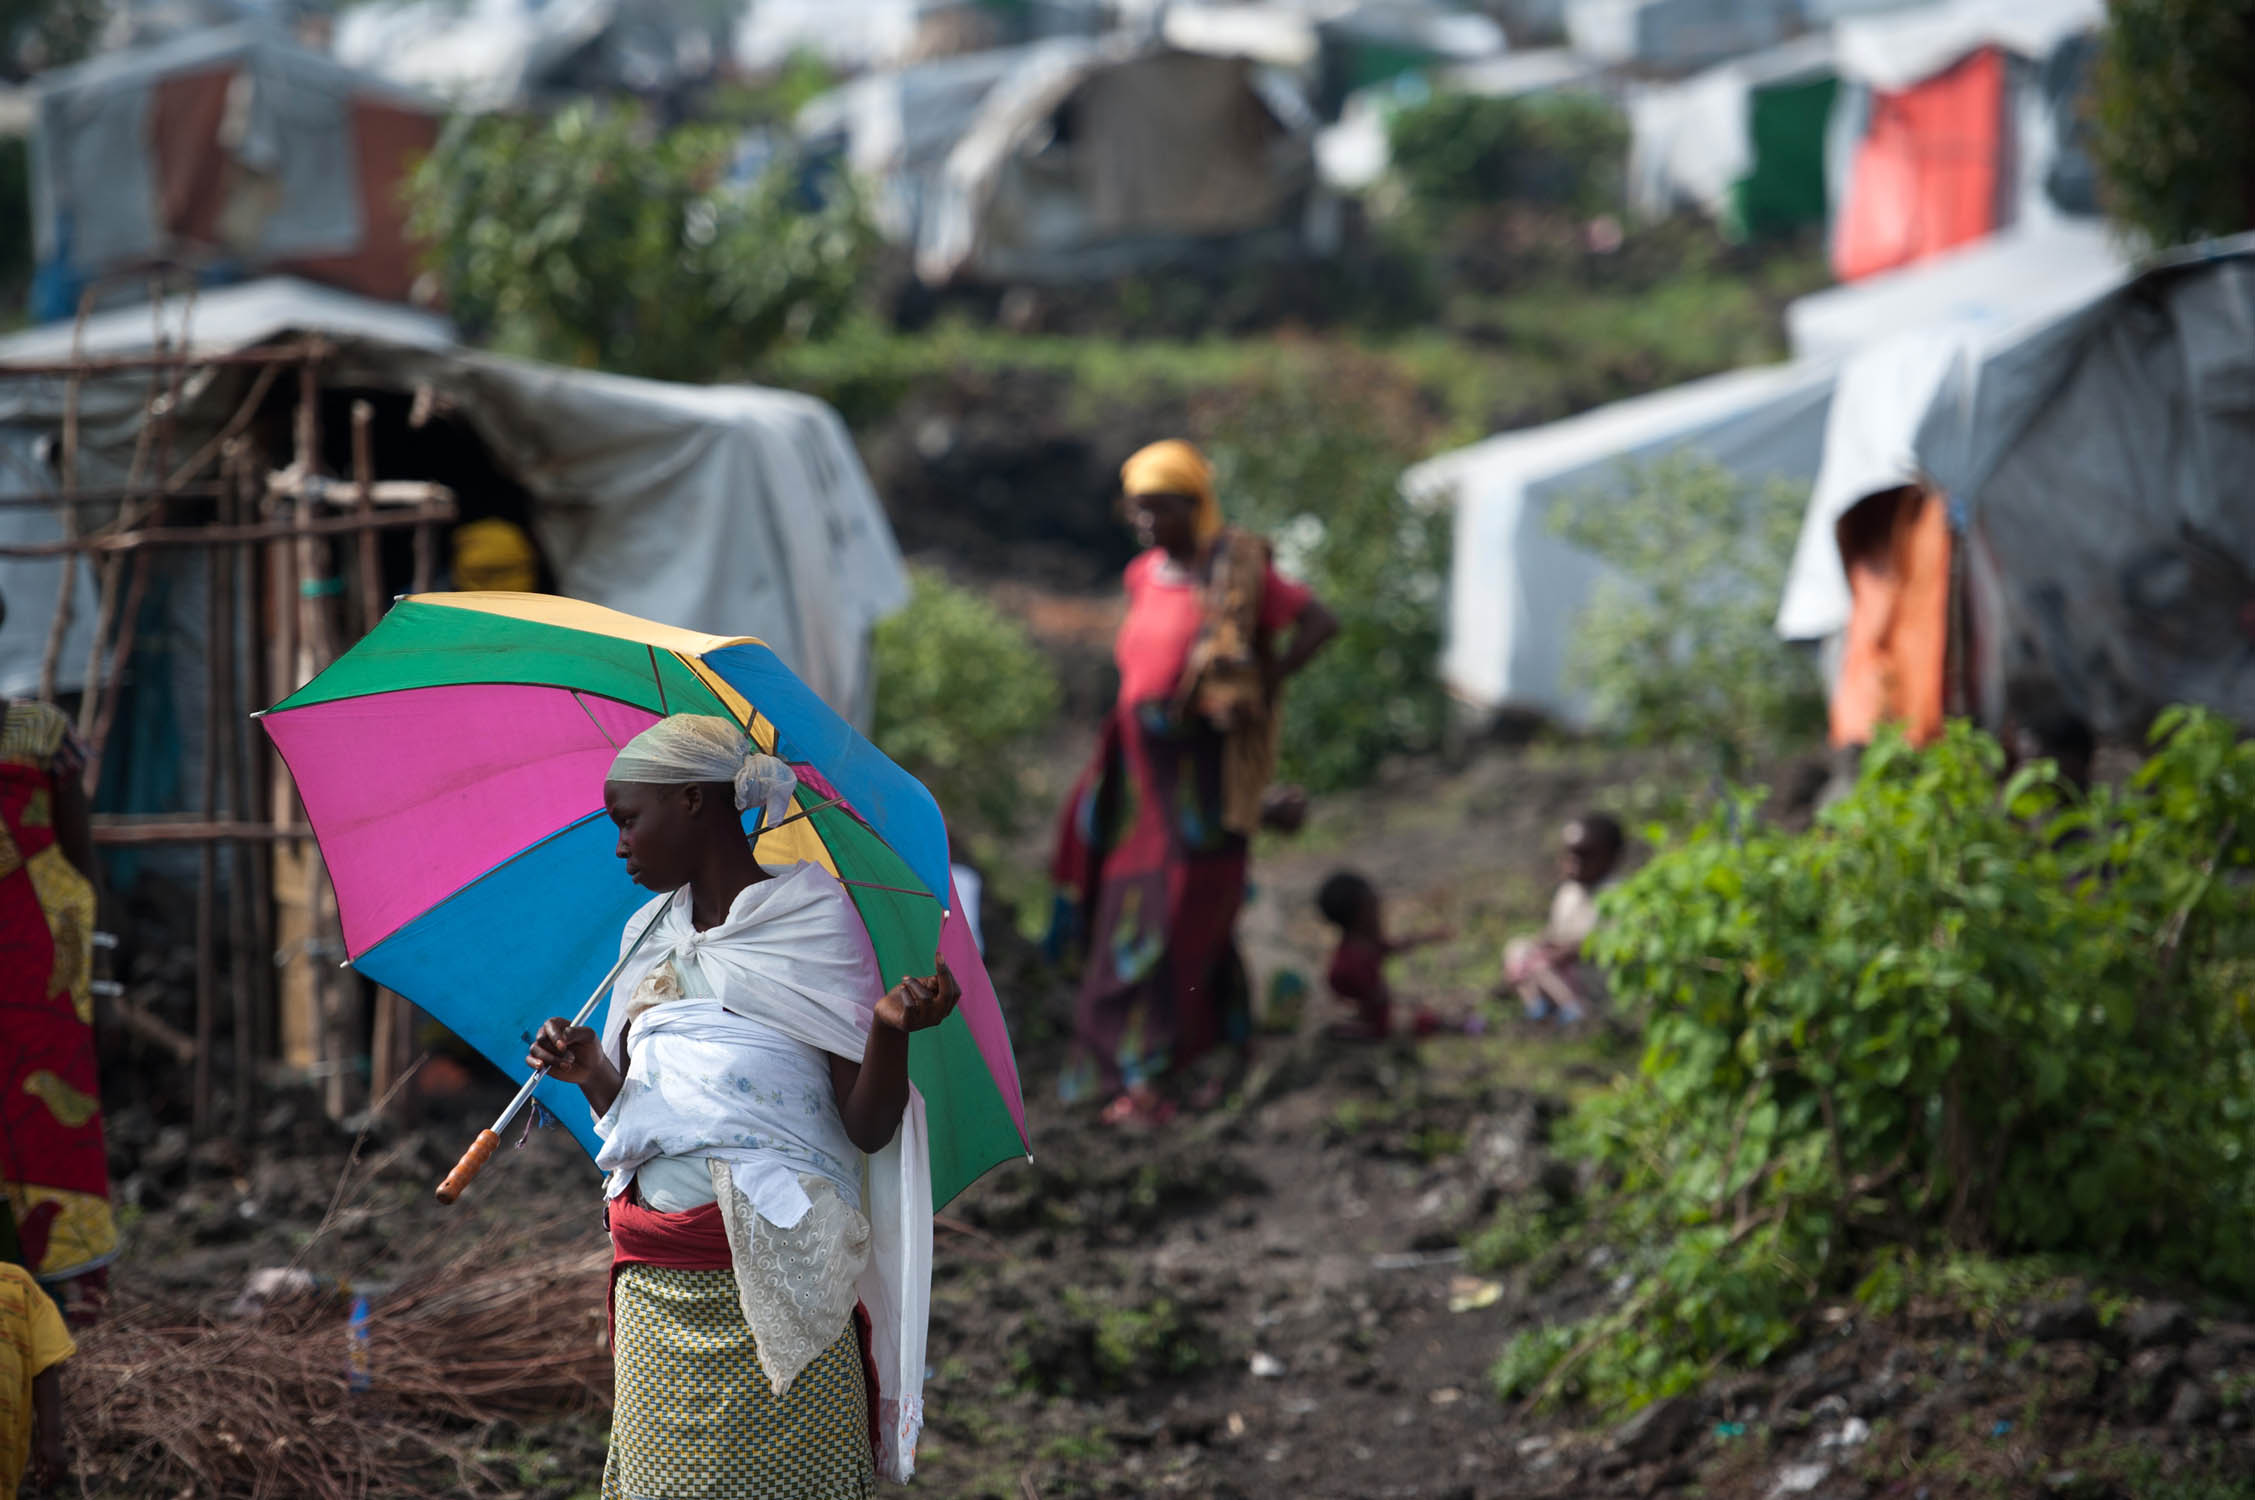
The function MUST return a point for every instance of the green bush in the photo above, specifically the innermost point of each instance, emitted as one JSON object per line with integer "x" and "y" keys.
{"x": 1319, "y": 474}
{"x": 1681, "y": 647}
{"x": 1562, "y": 151}
{"x": 961, "y": 689}
{"x": 2173, "y": 118}
{"x": 582, "y": 239}
{"x": 1950, "y": 1017}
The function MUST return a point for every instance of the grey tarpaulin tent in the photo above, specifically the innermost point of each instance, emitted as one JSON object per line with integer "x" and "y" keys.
{"x": 730, "y": 509}
{"x": 2098, "y": 470}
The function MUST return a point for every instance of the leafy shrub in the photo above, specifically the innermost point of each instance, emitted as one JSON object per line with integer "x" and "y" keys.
{"x": 961, "y": 688}
{"x": 582, "y": 240}
{"x": 1319, "y": 474}
{"x": 2173, "y": 120}
{"x": 1562, "y": 151}
{"x": 1947, "y": 1018}
{"x": 1681, "y": 647}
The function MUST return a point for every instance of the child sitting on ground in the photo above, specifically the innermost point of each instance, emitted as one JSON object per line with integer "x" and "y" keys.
{"x": 33, "y": 1344}
{"x": 1547, "y": 972}
{"x": 1358, "y": 966}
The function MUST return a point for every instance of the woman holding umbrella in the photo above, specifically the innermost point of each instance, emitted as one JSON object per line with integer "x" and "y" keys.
{"x": 1151, "y": 855}
{"x": 751, "y": 1061}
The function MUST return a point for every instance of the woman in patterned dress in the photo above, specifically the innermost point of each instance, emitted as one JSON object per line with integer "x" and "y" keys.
{"x": 53, "y": 1166}
{"x": 751, "y": 1077}
{"x": 1151, "y": 850}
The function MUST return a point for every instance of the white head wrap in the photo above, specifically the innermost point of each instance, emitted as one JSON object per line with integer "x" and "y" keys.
{"x": 688, "y": 748}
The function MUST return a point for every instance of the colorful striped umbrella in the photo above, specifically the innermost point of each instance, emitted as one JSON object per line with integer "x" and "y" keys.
{"x": 452, "y": 765}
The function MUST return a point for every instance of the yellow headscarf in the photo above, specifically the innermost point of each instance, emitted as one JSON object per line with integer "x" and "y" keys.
{"x": 1174, "y": 467}
{"x": 493, "y": 554}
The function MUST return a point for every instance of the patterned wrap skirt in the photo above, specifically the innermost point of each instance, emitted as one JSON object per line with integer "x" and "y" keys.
{"x": 694, "y": 1418}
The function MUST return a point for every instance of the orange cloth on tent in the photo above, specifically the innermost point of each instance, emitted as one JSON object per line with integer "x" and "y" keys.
{"x": 1925, "y": 177}
{"x": 1896, "y": 548}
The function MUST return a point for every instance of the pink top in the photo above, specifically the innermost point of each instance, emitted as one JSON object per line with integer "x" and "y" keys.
{"x": 1165, "y": 611}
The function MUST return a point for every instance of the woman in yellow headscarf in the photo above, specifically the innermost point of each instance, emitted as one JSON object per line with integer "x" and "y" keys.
{"x": 1151, "y": 851}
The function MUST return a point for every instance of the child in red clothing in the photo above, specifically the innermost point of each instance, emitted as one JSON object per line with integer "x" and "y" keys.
{"x": 1358, "y": 966}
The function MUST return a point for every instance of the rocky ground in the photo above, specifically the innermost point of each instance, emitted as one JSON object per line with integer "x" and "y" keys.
{"x": 1275, "y": 1300}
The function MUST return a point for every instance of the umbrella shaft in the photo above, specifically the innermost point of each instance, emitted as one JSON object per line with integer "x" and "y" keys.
{"x": 585, "y": 1011}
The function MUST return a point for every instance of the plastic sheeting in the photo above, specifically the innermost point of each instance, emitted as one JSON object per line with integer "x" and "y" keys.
{"x": 1677, "y": 35}
{"x": 1908, "y": 331}
{"x": 1089, "y": 161}
{"x": 1906, "y": 47}
{"x": 1742, "y": 142}
{"x": 231, "y": 146}
{"x": 2098, "y": 466}
{"x": 1516, "y": 591}
{"x": 2026, "y": 271}
{"x": 727, "y": 509}
{"x": 1926, "y": 175}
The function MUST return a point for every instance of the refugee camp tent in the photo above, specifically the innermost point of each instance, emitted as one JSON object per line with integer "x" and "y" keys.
{"x": 2097, "y": 469}
{"x": 1871, "y": 568}
{"x": 896, "y": 128}
{"x": 1954, "y": 121}
{"x": 1742, "y": 142}
{"x": 1114, "y": 156}
{"x": 498, "y": 54}
{"x": 2028, "y": 270}
{"x": 1676, "y": 36}
{"x": 231, "y": 152}
{"x": 727, "y": 509}
{"x": 2090, "y": 461}
{"x": 1516, "y": 591}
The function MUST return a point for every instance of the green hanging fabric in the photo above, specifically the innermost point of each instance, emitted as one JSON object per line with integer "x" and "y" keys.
{"x": 1785, "y": 190}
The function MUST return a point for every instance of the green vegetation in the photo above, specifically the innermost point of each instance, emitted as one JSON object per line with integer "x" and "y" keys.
{"x": 1089, "y": 1345}
{"x": 960, "y": 691}
{"x": 1952, "y": 1016}
{"x": 1680, "y": 649}
{"x": 2173, "y": 118}
{"x": 587, "y": 239}
{"x": 1565, "y": 151}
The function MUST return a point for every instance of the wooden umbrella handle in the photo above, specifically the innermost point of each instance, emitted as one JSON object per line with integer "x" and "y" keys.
{"x": 473, "y": 1161}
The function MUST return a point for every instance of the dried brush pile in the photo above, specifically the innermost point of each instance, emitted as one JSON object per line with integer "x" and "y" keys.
{"x": 165, "y": 1399}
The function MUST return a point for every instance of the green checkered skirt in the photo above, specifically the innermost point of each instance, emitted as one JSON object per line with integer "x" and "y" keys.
{"x": 693, "y": 1417}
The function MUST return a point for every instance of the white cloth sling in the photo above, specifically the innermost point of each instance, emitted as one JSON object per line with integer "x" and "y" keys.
{"x": 793, "y": 956}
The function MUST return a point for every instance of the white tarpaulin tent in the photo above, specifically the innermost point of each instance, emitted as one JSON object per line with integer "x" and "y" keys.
{"x": 2098, "y": 470}
{"x": 728, "y": 509}
{"x": 2028, "y": 270}
{"x": 1516, "y": 590}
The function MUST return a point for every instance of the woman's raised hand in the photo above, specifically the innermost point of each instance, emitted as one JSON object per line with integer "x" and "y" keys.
{"x": 569, "y": 1053}
{"x": 917, "y": 1004}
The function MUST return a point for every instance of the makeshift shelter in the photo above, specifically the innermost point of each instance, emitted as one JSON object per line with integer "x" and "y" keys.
{"x": 1098, "y": 160}
{"x": 1954, "y": 121}
{"x": 2045, "y": 513}
{"x": 1516, "y": 590}
{"x": 500, "y": 54}
{"x": 1676, "y": 36}
{"x": 1871, "y": 569}
{"x": 1742, "y": 142}
{"x": 727, "y": 509}
{"x": 232, "y": 153}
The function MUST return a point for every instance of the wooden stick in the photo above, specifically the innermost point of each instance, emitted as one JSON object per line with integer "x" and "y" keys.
{"x": 207, "y": 864}
{"x": 283, "y": 354}
{"x": 59, "y": 626}
{"x": 136, "y": 832}
{"x": 368, "y": 564}
{"x": 437, "y": 506}
{"x": 236, "y": 566}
